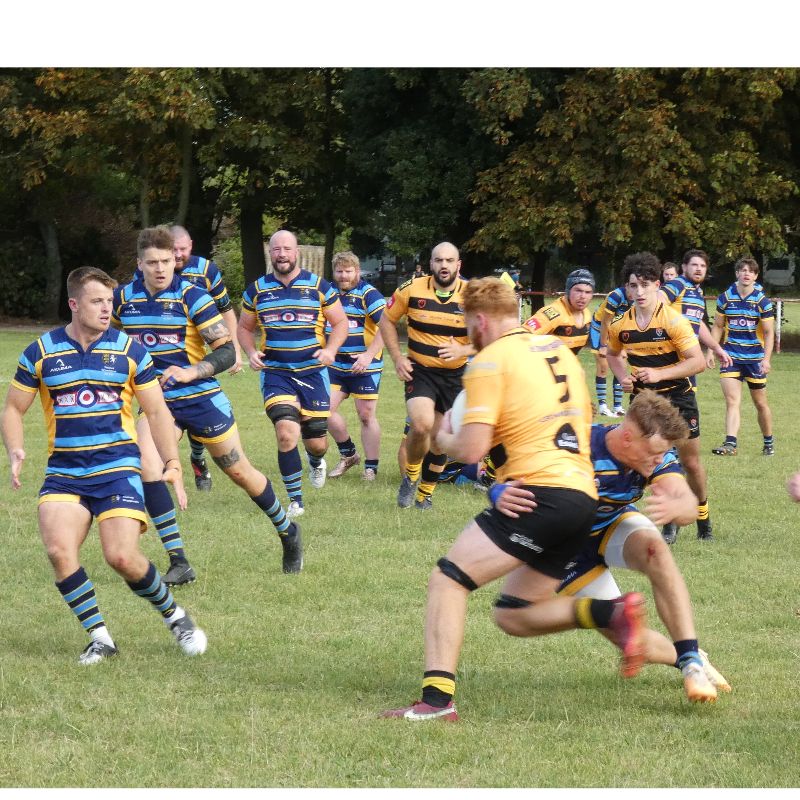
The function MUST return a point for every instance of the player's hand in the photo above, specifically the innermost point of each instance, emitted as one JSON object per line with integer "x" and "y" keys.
{"x": 725, "y": 359}
{"x": 256, "y": 360}
{"x": 451, "y": 351}
{"x": 174, "y": 475}
{"x": 237, "y": 364}
{"x": 645, "y": 375}
{"x": 16, "y": 457}
{"x": 711, "y": 361}
{"x": 765, "y": 366}
{"x": 361, "y": 363}
{"x": 515, "y": 500}
{"x": 172, "y": 375}
{"x": 793, "y": 487}
{"x": 404, "y": 369}
{"x": 324, "y": 356}
{"x": 627, "y": 384}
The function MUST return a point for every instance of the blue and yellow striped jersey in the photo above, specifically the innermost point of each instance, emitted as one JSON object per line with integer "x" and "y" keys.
{"x": 615, "y": 302}
{"x": 688, "y": 298}
{"x": 168, "y": 324}
{"x": 364, "y": 306}
{"x": 743, "y": 338}
{"x": 290, "y": 319}
{"x": 618, "y": 485}
{"x": 86, "y": 397}
{"x": 205, "y": 273}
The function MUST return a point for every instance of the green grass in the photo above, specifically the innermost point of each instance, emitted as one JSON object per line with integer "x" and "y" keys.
{"x": 298, "y": 667}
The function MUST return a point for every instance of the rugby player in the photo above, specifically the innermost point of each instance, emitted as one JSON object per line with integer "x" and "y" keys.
{"x": 289, "y": 308}
{"x": 663, "y": 352}
{"x": 86, "y": 376}
{"x": 569, "y": 317}
{"x": 204, "y": 273}
{"x": 175, "y": 320}
{"x": 527, "y": 403}
{"x": 627, "y": 459}
{"x": 438, "y": 348}
{"x": 685, "y": 294}
{"x": 745, "y": 325}
{"x": 358, "y": 367}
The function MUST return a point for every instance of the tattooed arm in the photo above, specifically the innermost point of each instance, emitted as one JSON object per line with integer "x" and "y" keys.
{"x": 221, "y": 357}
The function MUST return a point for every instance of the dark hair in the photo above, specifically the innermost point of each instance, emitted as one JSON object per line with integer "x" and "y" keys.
{"x": 746, "y": 262}
{"x": 690, "y": 254}
{"x": 158, "y": 237}
{"x": 644, "y": 266}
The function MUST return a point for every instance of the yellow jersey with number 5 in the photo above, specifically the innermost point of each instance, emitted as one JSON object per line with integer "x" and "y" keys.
{"x": 532, "y": 390}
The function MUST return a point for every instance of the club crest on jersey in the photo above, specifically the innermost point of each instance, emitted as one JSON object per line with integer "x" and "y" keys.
{"x": 625, "y": 336}
{"x": 550, "y": 313}
{"x": 659, "y": 332}
{"x": 421, "y": 303}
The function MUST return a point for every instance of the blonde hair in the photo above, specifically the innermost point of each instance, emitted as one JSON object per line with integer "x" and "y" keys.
{"x": 653, "y": 414}
{"x": 490, "y": 296}
{"x": 346, "y": 259}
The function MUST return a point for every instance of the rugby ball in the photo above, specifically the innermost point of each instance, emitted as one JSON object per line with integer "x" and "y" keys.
{"x": 457, "y": 411}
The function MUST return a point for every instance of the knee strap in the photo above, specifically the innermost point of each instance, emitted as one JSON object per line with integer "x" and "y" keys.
{"x": 314, "y": 428}
{"x": 456, "y": 574}
{"x": 283, "y": 411}
{"x": 509, "y": 601}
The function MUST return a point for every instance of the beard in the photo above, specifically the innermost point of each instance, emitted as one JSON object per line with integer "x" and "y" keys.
{"x": 446, "y": 282}
{"x": 284, "y": 267}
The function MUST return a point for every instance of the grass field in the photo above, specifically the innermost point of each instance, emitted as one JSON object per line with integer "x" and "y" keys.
{"x": 298, "y": 667}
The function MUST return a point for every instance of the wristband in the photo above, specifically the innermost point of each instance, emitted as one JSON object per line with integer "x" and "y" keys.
{"x": 496, "y": 491}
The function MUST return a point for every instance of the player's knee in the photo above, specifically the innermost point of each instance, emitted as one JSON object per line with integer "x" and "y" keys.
{"x": 314, "y": 428}
{"x": 653, "y": 555}
{"x": 120, "y": 561}
{"x": 507, "y": 617}
{"x": 446, "y": 569}
{"x": 283, "y": 411}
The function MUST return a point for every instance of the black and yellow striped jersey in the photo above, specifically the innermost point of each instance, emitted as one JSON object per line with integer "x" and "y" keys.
{"x": 558, "y": 319}
{"x": 662, "y": 343}
{"x": 431, "y": 320}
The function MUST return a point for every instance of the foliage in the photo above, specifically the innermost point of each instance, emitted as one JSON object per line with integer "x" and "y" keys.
{"x": 23, "y": 267}
{"x": 228, "y": 257}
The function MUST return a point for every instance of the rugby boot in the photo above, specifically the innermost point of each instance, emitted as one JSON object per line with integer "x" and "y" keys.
{"x": 189, "y": 637}
{"x": 406, "y": 492}
{"x": 696, "y": 683}
{"x": 97, "y": 651}
{"x": 345, "y": 462}
{"x": 180, "y": 571}
{"x": 420, "y": 712}
{"x": 725, "y": 449}
{"x": 769, "y": 450}
{"x": 292, "y": 551}
{"x": 669, "y": 533}
{"x": 202, "y": 476}
{"x": 704, "y": 529}
{"x": 627, "y": 626}
{"x": 714, "y": 675}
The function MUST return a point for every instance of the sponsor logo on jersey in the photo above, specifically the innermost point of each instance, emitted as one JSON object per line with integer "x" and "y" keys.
{"x": 567, "y": 439}
{"x": 305, "y": 317}
{"x": 550, "y": 313}
{"x": 61, "y": 366}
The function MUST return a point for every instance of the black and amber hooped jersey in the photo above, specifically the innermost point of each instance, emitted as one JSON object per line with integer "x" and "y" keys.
{"x": 532, "y": 391}
{"x": 558, "y": 319}
{"x": 661, "y": 344}
{"x": 431, "y": 320}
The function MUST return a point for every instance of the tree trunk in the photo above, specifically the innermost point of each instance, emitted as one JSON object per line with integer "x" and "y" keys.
{"x": 52, "y": 290}
{"x": 144, "y": 199}
{"x": 330, "y": 238}
{"x": 186, "y": 176}
{"x": 540, "y": 259}
{"x": 254, "y": 259}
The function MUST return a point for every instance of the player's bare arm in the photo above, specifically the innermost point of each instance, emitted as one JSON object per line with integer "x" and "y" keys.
{"x": 229, "y": 318}
{"x": 469, "y": 445}
{"x": 162, "y": 429}
{"x": 671, "y": 500}
{"x": 221, "y": 357}
{"x": 246, "y": 334}
{"x": 768, "y": 329}
{"x": 402, "y": 364}
{"x": 17, "y": 404}
{"x": 335, "y": 316}
{"x": 616, "y": 364}
{"x": 453, "y": 350}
